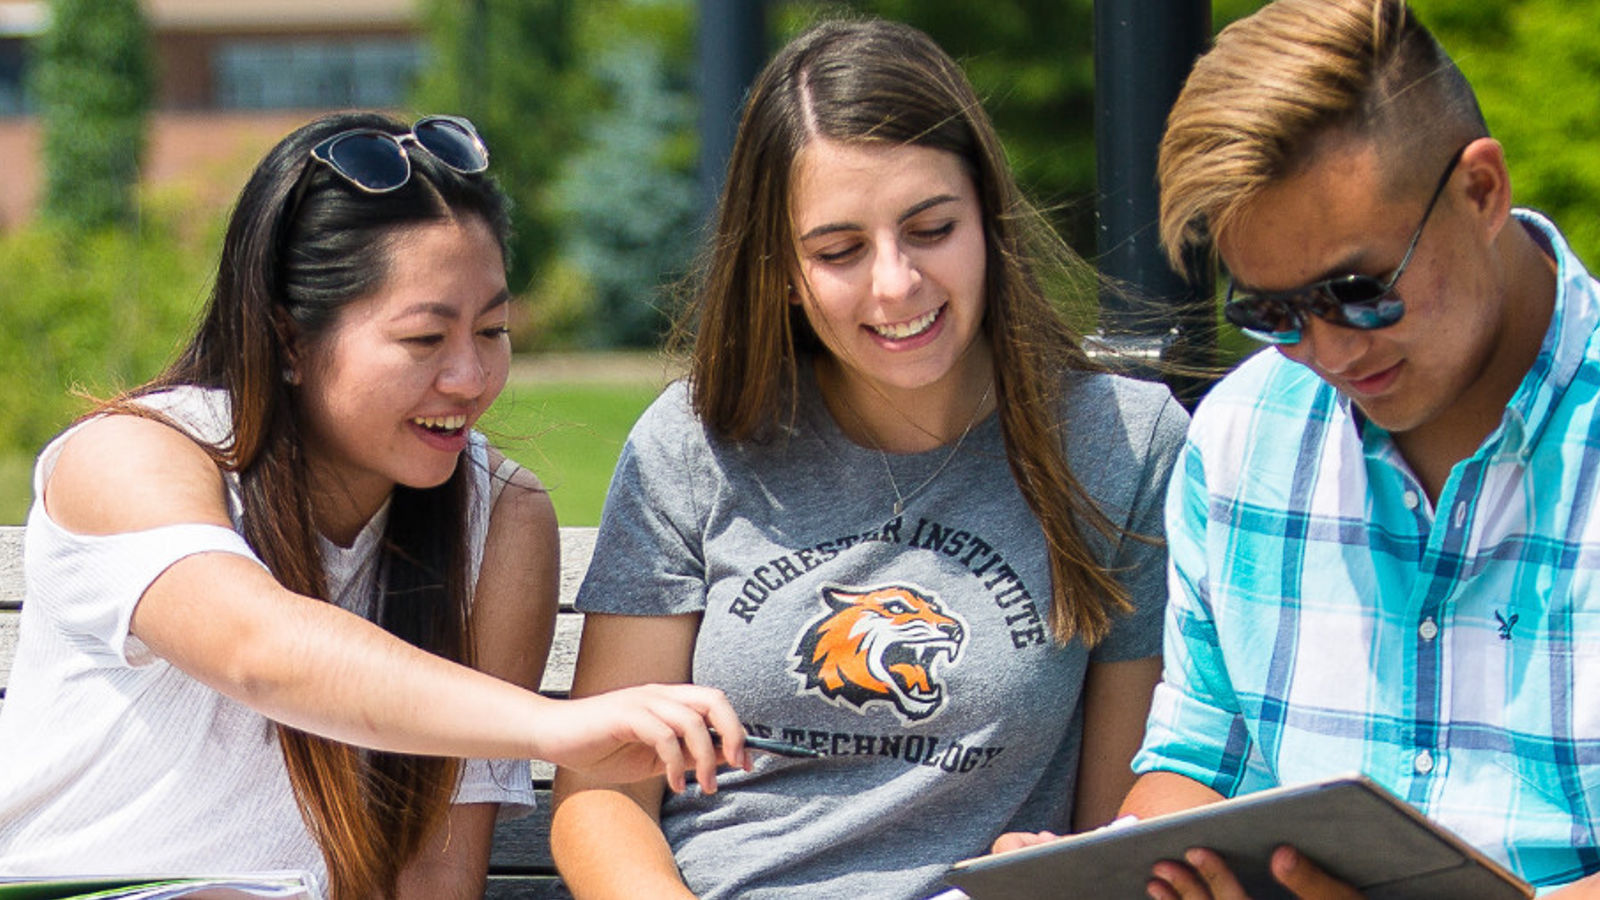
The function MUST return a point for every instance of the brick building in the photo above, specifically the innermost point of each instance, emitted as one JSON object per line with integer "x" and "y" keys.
{"x": 233, "y": 77}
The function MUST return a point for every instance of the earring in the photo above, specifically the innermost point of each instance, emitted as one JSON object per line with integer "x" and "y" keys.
{"x": 290, "y": 376}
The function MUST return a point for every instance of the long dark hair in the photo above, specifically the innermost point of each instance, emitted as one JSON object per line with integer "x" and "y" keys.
{"x": 302, "y": 244}
{"x": 874, "y": 81}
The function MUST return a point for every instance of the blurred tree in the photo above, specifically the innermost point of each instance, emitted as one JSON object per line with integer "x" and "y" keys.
{"x": 1536, "y": 67}
{"x": 94, "y": 83}
{"x": 588, "y": 110}
{"x": 626, "y": 194}
{"x": 1534, "y": 63}
{"x": 510, "y": 66}
{"x": 631, "y": 194}
{"x": 1032, "y": 63}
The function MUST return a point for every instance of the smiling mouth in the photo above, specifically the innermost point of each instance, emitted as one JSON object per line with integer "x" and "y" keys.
{"x": 441, "y": 424}
{"x": 903, "y": 330}
{"x": 1367, "y": 383}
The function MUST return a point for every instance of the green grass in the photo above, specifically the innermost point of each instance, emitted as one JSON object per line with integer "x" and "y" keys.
{"x": 16, "y": 487}
{"x": 568, "y": 434}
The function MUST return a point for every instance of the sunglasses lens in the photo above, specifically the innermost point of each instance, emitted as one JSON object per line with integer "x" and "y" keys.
{"x": 1273, "y": 337}
{"x": 372, "y": 162}
{"x": 1353, "y": 289}
{"x": 1360, "y": 301}
{"x": 453, "y": 144}
{"x": 1354, "y": 301}
{"x": 1262, "y": 314}
{"x": 1379, "y": 313}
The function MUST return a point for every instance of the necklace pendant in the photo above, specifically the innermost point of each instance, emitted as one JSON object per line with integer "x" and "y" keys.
{"x": 888, "y": 470}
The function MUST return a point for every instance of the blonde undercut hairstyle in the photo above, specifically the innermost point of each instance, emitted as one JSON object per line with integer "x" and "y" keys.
{"x": 1278, "y": 81}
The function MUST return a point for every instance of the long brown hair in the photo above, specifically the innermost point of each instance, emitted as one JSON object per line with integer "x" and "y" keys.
{"x": 302, "y": 244}
{"x": 883, "y": 82}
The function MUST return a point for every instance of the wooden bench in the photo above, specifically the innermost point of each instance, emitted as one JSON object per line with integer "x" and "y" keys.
{"x": 520, "y": 865}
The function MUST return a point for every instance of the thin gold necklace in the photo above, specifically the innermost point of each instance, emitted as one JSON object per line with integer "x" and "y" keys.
{"x": 900, "y": 500}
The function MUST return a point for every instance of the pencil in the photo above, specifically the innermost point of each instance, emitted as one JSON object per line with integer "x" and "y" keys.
{"x": 776, "y": 747}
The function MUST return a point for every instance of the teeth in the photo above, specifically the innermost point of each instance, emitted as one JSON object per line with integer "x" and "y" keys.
{"x": 907, "y": 329}
{"x": 441, "y": 423}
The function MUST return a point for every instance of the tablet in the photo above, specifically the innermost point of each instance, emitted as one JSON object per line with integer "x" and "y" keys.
{"x": 1349, "y": 826}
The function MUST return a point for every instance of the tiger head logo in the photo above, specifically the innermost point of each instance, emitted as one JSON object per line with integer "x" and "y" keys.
{"x": 880, "y": 646}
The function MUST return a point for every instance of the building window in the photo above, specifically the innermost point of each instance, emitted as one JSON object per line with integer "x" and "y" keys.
{"x": 316, "y": 74}
{"x": 14, "y": 98}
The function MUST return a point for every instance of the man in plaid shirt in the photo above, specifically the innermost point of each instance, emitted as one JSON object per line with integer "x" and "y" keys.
{"x": 1384, "y": 533}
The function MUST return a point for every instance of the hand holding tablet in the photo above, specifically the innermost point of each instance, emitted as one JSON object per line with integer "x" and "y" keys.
{"x": 1350, "y": 827}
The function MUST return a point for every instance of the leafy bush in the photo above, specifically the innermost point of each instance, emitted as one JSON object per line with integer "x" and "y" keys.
{"x": 88, "y": 313}
{"x": 557, "y": 313}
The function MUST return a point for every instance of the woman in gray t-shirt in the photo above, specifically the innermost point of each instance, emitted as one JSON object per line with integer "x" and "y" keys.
{"x": 896, "y": 514}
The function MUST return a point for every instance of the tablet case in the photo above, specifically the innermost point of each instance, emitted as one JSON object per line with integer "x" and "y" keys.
{"x": 1349, "y": 826}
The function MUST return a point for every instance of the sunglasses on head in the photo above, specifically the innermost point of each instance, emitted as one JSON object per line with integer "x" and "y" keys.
{"x": 1350, "y": 301}
{"x": 376, "y": 161}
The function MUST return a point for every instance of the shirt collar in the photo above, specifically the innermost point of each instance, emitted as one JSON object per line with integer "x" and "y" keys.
{"x": 1572, "y": 324}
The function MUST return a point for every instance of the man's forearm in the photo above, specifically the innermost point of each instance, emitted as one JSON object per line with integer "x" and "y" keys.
{"x": 1157, "y": 793}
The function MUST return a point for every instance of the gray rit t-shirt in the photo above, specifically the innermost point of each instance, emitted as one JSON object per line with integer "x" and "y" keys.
{"x": 913, "y": 651}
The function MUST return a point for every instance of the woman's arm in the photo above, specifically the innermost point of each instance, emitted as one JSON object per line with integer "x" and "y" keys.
{"x": 225, "y": 621}
{"x": 513, "y": 620}
{"x": 606, "y": 836}
{"x": 1116, "y": 700}
{"x": 1116, "y": 703}
{"x": 514, "y": 610}
{"x": 454, "y": 863}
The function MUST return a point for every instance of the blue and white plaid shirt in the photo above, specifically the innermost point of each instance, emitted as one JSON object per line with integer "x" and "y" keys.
{"x": 1325, "y": 618}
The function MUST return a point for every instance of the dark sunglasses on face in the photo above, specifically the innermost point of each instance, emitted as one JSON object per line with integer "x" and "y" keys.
{"x": 376, "y": 161}
{"x": 1351, "y": 301}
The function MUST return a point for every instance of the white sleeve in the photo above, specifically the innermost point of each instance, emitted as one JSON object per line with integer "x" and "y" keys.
{"x": 508, "y": 782}
{"x": 88, "y": 585}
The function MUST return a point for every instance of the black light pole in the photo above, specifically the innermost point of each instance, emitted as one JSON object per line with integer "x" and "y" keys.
{"x": 731, "y": 45}
{"x": 1142, "y": 52}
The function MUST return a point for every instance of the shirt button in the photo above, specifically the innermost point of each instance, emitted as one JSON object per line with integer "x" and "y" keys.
{"x": 1428, "y": 629}
{"x": 1410, "y": 499}
{"x": 1423, "y": 762}
{"x": 1461, "y": 513}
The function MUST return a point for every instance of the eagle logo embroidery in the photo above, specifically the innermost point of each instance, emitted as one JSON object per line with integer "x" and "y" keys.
{"x": 880, "y": 646}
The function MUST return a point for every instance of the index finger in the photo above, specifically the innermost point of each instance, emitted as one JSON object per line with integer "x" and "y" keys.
{"x": 699, "y": 744}
{"x": 658, "y": 734}
{"x": 1305, "y": 878}
{"x": 1219, "y": 879}
{"x": 729, "y": 730}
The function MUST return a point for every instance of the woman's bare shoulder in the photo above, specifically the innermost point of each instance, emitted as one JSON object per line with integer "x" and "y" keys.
{"x": 122, "y": 472}
{"x": 523, "y": 502}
